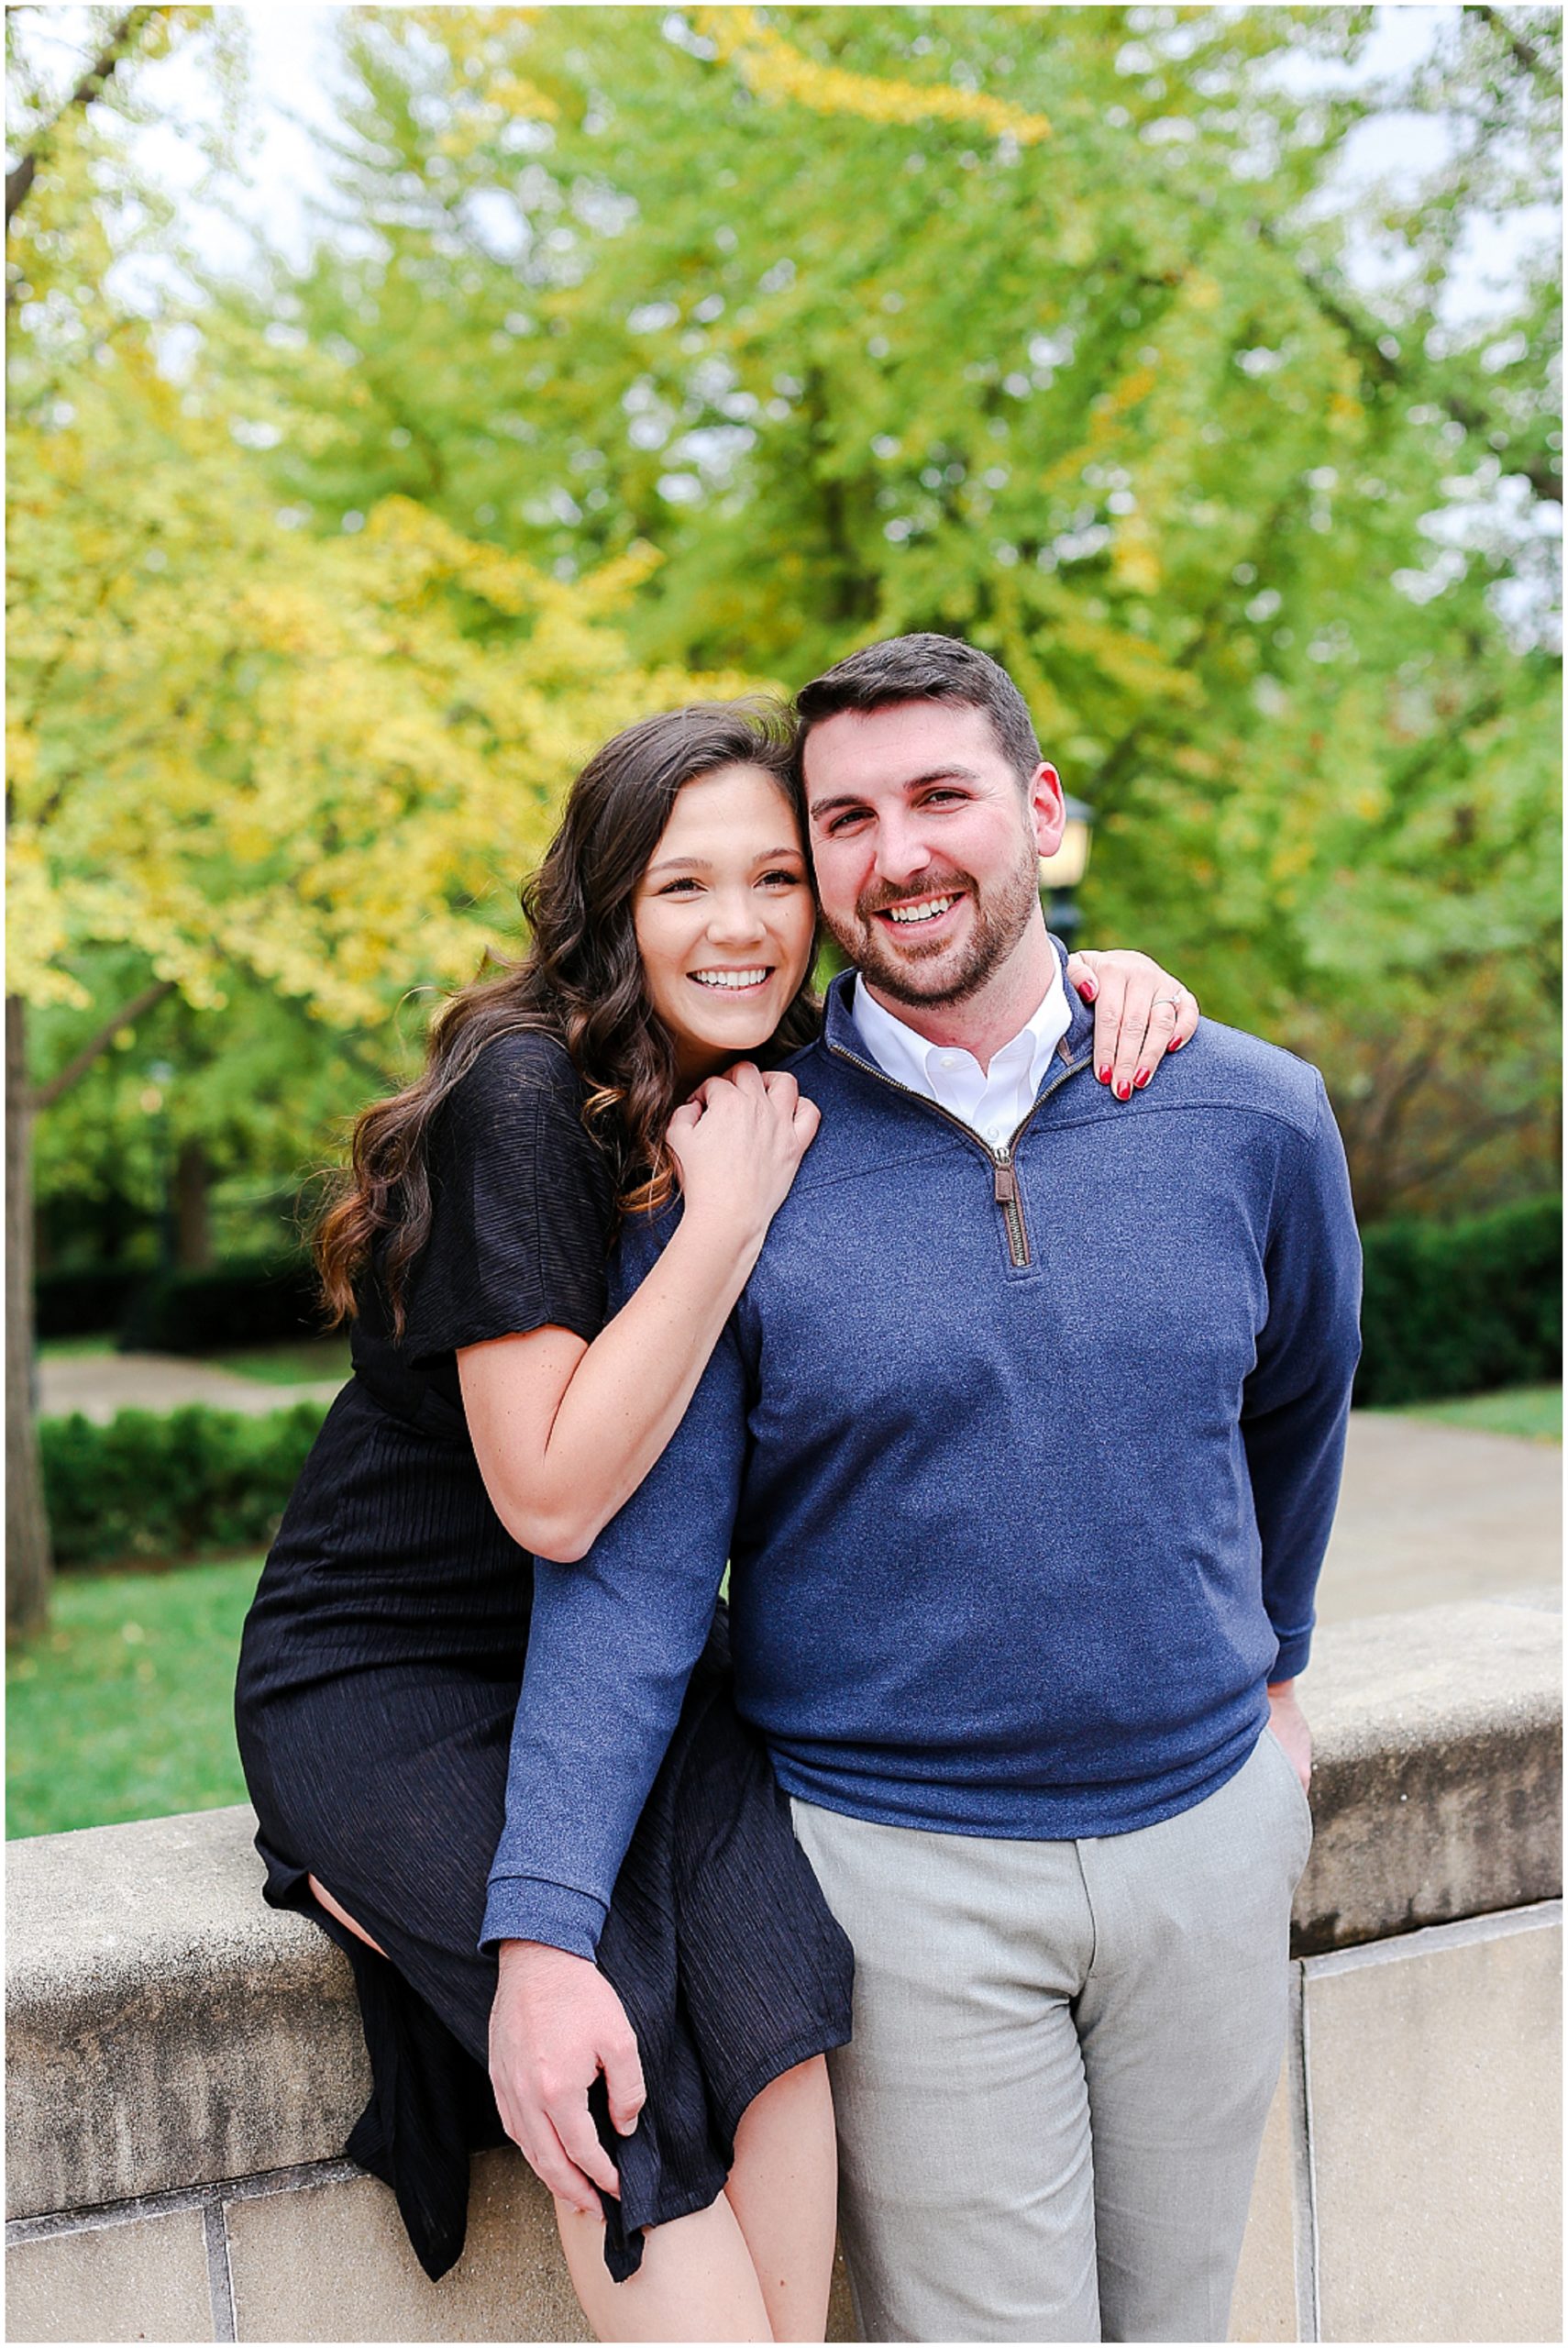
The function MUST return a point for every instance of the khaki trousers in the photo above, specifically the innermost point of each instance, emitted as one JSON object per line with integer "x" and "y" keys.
{"x": 1050, "y": 2112}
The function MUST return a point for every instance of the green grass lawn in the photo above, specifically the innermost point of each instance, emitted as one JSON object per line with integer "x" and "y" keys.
{"x": 124, "y": 1707}
{"x": 1533, "y": 1410}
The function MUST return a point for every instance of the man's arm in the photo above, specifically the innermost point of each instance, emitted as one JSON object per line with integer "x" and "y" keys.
{"x": 1298, "y": 1399}
{"x": 611, "y": 1642}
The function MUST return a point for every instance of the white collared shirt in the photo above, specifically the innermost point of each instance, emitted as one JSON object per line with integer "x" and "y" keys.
{"x": 993, "y": 1101}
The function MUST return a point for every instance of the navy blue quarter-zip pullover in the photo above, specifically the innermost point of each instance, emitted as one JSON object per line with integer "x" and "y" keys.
{"x": 1024, "y": 1462}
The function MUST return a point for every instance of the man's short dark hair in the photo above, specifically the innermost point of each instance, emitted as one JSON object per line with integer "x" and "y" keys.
{"x": 923, "y": 667}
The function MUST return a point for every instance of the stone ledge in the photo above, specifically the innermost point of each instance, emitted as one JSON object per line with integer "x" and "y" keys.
{"x": 1437, "y": 1792}
{"x": 167, "y": 2030}
{"x": 1409, "y": 2189}
{"x": 164, "y": 2028}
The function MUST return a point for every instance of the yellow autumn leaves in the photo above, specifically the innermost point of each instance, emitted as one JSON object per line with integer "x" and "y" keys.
{"x": 241, "y": 748}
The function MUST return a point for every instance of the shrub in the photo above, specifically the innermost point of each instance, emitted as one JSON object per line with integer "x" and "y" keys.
{"x": 156, "y": 1485}
{"x": 246, "y": 1301}
{"x": 85, "y": 1300}
{"x": 1456, "y": 1308}
{"x": 250, "y": 1300}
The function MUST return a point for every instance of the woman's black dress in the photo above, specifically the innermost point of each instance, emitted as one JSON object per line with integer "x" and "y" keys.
{"x": 379, "y": 1674}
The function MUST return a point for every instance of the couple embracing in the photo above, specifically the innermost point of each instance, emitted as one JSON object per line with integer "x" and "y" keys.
{"x": 1010, "y": 1386}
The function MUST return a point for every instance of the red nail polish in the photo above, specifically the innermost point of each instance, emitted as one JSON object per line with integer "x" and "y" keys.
{"x": 1124, "y": 1090}
{"x": 1142, "y": 1076}
{"x": 1176, "y": 1042}
{"x": 1104, "y": 1075}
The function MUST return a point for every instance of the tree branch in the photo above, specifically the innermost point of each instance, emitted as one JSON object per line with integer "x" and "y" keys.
{"x": 1523, "y": 54}
{"x": 1423, "y": 1168}
{"x": 1418, "y": 768}
{"x": 91, "y": 85}
{"x": 127, "y": 1016}
{"x": 1102, "y": 787}
{"x": 1543, "y": 476}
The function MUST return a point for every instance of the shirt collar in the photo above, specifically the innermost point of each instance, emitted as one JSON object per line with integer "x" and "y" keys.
{"x": 908, "y": 1058}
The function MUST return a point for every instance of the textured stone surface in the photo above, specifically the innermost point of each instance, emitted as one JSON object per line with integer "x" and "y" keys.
{"x": 1264, "y": 2305}
{"x": 332, "y": 2261}
{"x": 163, "y": 2027}
{"x": 1435, "y": 2069}
{"x": 143, "y": 2279}
{"x": 1437, "y": 1790}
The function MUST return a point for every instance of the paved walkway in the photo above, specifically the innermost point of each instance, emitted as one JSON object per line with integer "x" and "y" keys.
{"x": 1428, "y": 1513}
{"x": 100, "y": 1384}
{"x": 1431, "y": 1513}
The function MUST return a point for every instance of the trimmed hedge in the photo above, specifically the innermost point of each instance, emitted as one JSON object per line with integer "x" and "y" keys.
{"x": 246, "y": 1301}
{"x": 170, "y": 1485}
{"x": 86, "y": 1301}
{"x": 1458, "y": 1308}
{"x": 250, "y": 1300}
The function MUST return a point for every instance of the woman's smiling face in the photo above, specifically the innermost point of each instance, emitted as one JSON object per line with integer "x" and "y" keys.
{"x": 724, "y": 918}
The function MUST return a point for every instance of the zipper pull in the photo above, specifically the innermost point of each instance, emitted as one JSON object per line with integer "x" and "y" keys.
{"x": 1006, "y": 1183}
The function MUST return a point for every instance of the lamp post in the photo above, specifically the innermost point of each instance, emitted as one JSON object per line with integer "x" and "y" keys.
{"x": 1061, "y": 873}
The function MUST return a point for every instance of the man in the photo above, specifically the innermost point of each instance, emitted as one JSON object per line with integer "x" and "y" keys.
{"x": 1014, "y": 1662}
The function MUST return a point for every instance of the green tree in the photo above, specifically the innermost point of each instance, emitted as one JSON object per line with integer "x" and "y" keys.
{"x": 722, "y": 340}
{"x": 243, "y": 758}
{"x": 1036, "y": 327}
{"x": 202, "y": 1126}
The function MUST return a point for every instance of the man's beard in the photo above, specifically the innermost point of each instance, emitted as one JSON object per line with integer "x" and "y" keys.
{"x": 1000, "y": 919}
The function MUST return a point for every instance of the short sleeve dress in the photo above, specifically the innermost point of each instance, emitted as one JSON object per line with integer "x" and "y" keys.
{"x": 379, "y": 1674}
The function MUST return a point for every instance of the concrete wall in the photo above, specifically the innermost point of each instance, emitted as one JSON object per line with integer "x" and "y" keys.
{"x": 184, "y": 2065}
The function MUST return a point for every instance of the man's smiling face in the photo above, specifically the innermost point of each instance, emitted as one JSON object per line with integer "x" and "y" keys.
{"x": 926, "y": 845}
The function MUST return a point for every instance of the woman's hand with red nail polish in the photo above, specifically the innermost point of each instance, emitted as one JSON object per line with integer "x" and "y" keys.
{"x": 1140, "y": 1012}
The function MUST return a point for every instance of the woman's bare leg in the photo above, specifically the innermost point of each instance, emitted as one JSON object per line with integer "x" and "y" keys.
{"x": 784, "y": 2190}
{"x": 758, "y": 2264}
{"x": 342, "y": 1915}
{"x": 696, "y": 2281}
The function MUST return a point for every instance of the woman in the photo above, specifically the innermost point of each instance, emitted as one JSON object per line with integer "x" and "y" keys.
{"x": 493, "y": 1414}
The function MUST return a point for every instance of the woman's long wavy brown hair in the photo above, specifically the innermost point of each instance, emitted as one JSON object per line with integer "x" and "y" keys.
{"x": 581, "y": 981}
